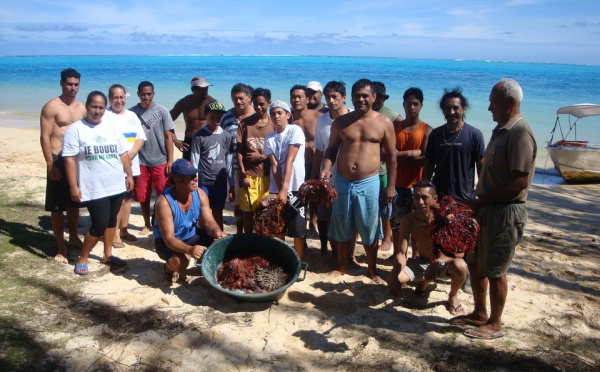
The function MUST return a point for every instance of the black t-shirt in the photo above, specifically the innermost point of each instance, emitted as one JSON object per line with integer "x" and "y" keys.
{"x": 455, "y": 160}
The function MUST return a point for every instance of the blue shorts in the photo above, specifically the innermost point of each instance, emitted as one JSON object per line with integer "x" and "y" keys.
{"x": 217, "y": 195}
{"x": 356, "y": 208}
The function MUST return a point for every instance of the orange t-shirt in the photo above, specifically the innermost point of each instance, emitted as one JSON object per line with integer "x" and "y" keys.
{"x": 407, "y": 175}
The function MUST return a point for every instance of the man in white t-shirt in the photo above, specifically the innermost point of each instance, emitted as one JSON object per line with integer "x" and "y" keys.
{"x": 285, "y": 149}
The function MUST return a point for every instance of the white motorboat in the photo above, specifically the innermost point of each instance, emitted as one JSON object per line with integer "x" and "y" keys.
{"x": 576, "y": 160}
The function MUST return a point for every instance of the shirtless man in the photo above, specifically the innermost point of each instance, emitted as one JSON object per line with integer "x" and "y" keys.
{"x": 306, "y": 119}
{"x": 56, "y": 117}
{"x": 422, "y": 270}
{"x": 192, "y": 107}
{"x": 355, "y": 142}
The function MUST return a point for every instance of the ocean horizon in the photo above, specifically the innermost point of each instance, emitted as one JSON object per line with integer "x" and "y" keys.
{"x": 289, "y": 55}
{"x": 28, "y": 82}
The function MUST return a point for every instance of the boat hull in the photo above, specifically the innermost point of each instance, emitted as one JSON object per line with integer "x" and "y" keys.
{"x": 576, "y": 164}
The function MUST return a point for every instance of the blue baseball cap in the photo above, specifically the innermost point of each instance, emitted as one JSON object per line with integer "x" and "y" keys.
{"x": 183, "y": 167}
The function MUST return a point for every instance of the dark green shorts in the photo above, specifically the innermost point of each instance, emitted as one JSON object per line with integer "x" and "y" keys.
{"x": 502, "y": 227}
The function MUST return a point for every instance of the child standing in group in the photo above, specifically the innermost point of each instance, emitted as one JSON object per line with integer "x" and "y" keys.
{"x": 211, "y": 146}
{"x": 285, "y": 148}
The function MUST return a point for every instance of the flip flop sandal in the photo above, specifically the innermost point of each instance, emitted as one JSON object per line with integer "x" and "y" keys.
{"x": 81, "y": 269}
{"x": 452, "y": 309}
{"x": 488, "y": 335}
{"x": 464, "y": 320}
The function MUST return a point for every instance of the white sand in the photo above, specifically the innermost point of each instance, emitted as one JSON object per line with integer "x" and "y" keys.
{"x": 322, "y": 323}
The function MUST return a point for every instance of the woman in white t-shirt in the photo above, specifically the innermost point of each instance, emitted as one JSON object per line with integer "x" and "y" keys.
{"x": 95, "y": 154}
{"x": 129, "y": 124}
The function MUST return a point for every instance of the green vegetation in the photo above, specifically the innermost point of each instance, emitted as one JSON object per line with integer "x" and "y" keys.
{"x": 29, "y": 303}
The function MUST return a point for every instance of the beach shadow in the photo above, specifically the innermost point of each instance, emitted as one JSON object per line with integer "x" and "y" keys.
{"x": 29, "y": 238}
{"x": 119, "y": 327}
{"x": 314, "y": 340}
{"x": 356, "y": 305}
{"x": 196, "y": 291}
{"x": 563, "y": 284}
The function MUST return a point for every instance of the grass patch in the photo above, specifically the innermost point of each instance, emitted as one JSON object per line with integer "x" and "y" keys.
{"x": 35, "y": 293}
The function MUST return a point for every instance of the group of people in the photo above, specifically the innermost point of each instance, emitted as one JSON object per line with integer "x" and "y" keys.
{"x": 388, "y": 172}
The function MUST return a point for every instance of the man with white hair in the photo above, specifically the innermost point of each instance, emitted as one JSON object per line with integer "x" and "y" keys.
{"x": 508, "y": 167}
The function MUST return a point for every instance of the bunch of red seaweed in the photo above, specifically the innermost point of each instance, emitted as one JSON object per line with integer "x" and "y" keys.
{"x": 251, "y": 274}
{"x": 269, "y": 219}
{"x": 317, "y": 192}
{"x": 454, "y": 230}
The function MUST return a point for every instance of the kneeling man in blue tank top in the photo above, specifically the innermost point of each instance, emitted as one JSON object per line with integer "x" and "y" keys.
{"x": 184, "y": 225}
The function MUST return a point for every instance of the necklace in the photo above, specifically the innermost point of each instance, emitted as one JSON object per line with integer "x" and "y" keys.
{"x": 455, "y": 138}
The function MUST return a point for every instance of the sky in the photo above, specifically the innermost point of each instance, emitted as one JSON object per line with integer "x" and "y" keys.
{"x": 552, "y": 31}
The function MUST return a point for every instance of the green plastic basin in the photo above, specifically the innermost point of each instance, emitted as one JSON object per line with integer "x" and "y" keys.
{"x": 273, "y": 249}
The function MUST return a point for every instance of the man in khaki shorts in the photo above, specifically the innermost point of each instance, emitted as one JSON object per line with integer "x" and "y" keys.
{"x": 56, "y": 117}
{"x": 508, "y": 167}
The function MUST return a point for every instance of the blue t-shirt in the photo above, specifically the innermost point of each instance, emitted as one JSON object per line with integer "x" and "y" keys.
{"x": 454, "y": 157}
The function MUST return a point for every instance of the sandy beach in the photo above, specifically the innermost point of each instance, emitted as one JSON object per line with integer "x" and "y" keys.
{"x": 344, "y": 323}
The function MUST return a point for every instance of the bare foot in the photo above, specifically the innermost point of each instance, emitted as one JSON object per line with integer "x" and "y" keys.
{"x": 145, "y": 231}
{"x": 61, "y": 258}
{"x": 385, "y": 246}
{"x": 334, "y": 273}
{"x": 377, "y": 279}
